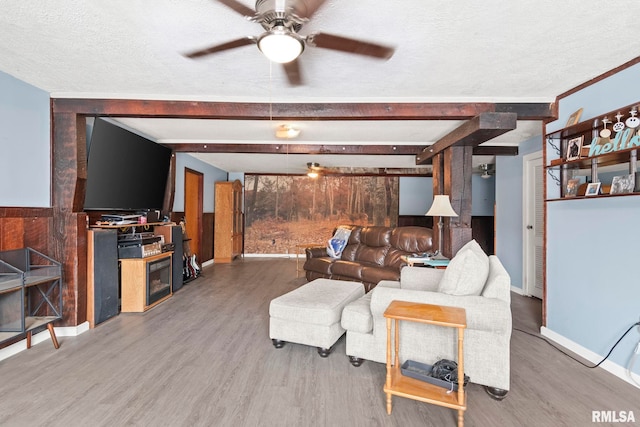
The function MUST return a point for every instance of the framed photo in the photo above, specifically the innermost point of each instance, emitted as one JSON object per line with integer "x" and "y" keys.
{"x": 574, "y": 118}
{"x": 573, "y": 148}
{"x": 593, "y": 189}
{"x": 572, "y": 187}
{"x": 623, "y": 184}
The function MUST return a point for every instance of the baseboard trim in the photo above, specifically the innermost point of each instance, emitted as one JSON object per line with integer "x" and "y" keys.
{"x": 607, "y": 365}
{"x": 517, "y": 290}
{"x": 271, "y": 256}
{"x": 62, "y": 331}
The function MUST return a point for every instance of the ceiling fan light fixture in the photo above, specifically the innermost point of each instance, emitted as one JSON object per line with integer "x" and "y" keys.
{"x": 287, "y": 132}
{"x": 311, "y": 171}
{"x": 485, "y": 171}
{"x": 280, "y": 45}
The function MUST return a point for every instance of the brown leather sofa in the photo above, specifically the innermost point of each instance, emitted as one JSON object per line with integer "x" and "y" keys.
{"x": 372, "y": 254}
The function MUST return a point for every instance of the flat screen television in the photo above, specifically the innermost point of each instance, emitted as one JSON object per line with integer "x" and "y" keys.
{"x": 125, "y": 171}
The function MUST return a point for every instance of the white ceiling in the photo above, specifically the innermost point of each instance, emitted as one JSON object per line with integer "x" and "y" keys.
{"x": 446, "y": 51}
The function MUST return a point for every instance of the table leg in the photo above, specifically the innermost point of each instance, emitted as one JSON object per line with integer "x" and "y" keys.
{"x": 28, "y": 339}
{"x": 461, "y": 396}
{"x": 388, "y": 379}
{"x": 53, "y": 335}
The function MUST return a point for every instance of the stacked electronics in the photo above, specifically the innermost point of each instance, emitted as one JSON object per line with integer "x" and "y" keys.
{"x": 139, "y": 245}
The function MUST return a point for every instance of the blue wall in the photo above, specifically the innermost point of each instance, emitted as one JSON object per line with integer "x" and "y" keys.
{"x": 416, "y": 195}
{"x": 509, "y": 215}
{"x": 210, "y": 176}
{"x": 25, "y": 163}
{"x": 593, "y": 290}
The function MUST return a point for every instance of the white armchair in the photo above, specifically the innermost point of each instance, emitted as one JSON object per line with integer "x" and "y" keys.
{"x": 473, "y": 281}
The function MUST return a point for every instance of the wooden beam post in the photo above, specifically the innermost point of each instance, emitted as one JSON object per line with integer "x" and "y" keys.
{"x": 457, "y": 184}
{"x": 69, "y": 235}
{"x": 480, "y": 129}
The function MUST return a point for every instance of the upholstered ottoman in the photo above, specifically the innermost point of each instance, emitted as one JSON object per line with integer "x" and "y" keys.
{"x": 311, "y": 314}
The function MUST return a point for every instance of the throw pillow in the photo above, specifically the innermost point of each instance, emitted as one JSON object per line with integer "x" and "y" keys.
{"x": 467, "y": 272}
{"x": 337, "y": 243}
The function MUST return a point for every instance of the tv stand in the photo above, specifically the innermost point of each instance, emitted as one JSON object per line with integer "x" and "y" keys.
{"x": 107, "y": 282}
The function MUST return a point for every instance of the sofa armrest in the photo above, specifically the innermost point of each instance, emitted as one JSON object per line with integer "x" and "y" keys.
{"x": 486, "y": 314}
{"x": 315, "y": 252}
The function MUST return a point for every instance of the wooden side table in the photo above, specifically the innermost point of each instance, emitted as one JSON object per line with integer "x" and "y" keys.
{"x": 413, "y": 260}
{"x": 400, "y": 385}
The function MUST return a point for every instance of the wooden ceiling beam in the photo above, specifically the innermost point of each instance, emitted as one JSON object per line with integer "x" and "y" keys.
{"x": 387, "y": 150}
{"x": 297, "y": 111}
{"x": 297, "y": 149}
{"x": 480, "y": 129}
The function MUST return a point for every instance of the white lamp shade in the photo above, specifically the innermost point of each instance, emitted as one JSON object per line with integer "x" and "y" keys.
{"x": 441, "y": 206}
{"x": 280, "y": 45}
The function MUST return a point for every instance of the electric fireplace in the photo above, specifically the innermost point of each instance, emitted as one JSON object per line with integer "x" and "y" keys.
{"x": 158, "y": 280}
{"x": 145, "y": 282}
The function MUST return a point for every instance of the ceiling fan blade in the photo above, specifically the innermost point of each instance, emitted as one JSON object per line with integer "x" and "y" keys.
{"x": 306, "y": 8}
{"x": 345, "y": 44}
{"x": 239, "y": 7}
{"x": 220, "y": 47}
{"x": 293, "y": 72}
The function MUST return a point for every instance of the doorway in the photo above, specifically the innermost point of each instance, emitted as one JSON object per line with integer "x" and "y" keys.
{"x": 533, "y": 230}
{"x": 193, "y": 191}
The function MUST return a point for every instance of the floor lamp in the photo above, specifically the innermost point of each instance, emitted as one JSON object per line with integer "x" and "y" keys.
{"x": 441, "y": 207}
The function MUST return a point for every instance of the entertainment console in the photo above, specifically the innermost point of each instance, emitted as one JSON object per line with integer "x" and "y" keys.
{"x": 131, "y": 267}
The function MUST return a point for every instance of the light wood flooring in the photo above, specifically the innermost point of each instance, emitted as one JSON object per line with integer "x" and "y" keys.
{"x": 204, "y": 358}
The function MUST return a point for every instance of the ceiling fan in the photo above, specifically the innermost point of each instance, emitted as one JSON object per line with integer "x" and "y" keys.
{"x": 314, "y": 169}
{"x": 281, "y": 42}
{"x": 487, "y": 170}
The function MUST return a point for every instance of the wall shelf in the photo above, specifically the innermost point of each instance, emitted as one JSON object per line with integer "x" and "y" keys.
{"x": 586, "y": 169}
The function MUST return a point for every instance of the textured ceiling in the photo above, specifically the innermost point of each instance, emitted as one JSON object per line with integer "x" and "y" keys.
{"x": 446, "y": 51}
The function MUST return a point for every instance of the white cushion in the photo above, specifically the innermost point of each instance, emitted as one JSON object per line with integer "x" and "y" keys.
{"x": 319, "y": 302}
{"x": 356, "y": 316}
{"x": 467, "y": 272}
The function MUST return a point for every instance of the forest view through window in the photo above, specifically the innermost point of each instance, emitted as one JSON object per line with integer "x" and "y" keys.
{"x": 282, "y": 211}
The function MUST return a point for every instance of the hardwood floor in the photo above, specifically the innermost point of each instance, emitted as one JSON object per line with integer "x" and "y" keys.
{"x": 204, "y": 358}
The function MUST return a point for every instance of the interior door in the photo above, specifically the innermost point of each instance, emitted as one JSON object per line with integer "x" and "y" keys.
{"x": 533, "y": 209}
{"x": 193, "y": 191}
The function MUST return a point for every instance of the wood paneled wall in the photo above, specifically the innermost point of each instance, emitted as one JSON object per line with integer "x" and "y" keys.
{"x": 26, "y": 227}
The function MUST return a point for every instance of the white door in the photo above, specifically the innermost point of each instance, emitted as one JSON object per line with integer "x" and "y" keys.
{"x": 533, "y": 230}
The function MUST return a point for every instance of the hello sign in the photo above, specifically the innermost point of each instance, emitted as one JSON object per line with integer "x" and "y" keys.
{"x": 621, "y": 141}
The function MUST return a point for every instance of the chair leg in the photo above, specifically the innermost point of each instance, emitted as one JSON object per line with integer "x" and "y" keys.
{"x": 277, "y": 343}
{"x": 28, "y": 339}
{"x": 53, "y": 336}
{"x": 355, "y": 361}
{"x": 324, "y": 352}
{"x": 496, "y": 393}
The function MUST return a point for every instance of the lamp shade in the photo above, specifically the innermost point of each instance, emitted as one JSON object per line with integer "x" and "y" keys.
{"x": 280, "y": 45}
{"x": 441, "y": 207}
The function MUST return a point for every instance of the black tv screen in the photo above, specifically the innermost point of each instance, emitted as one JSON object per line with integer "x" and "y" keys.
{"x": 125, "y": 171}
